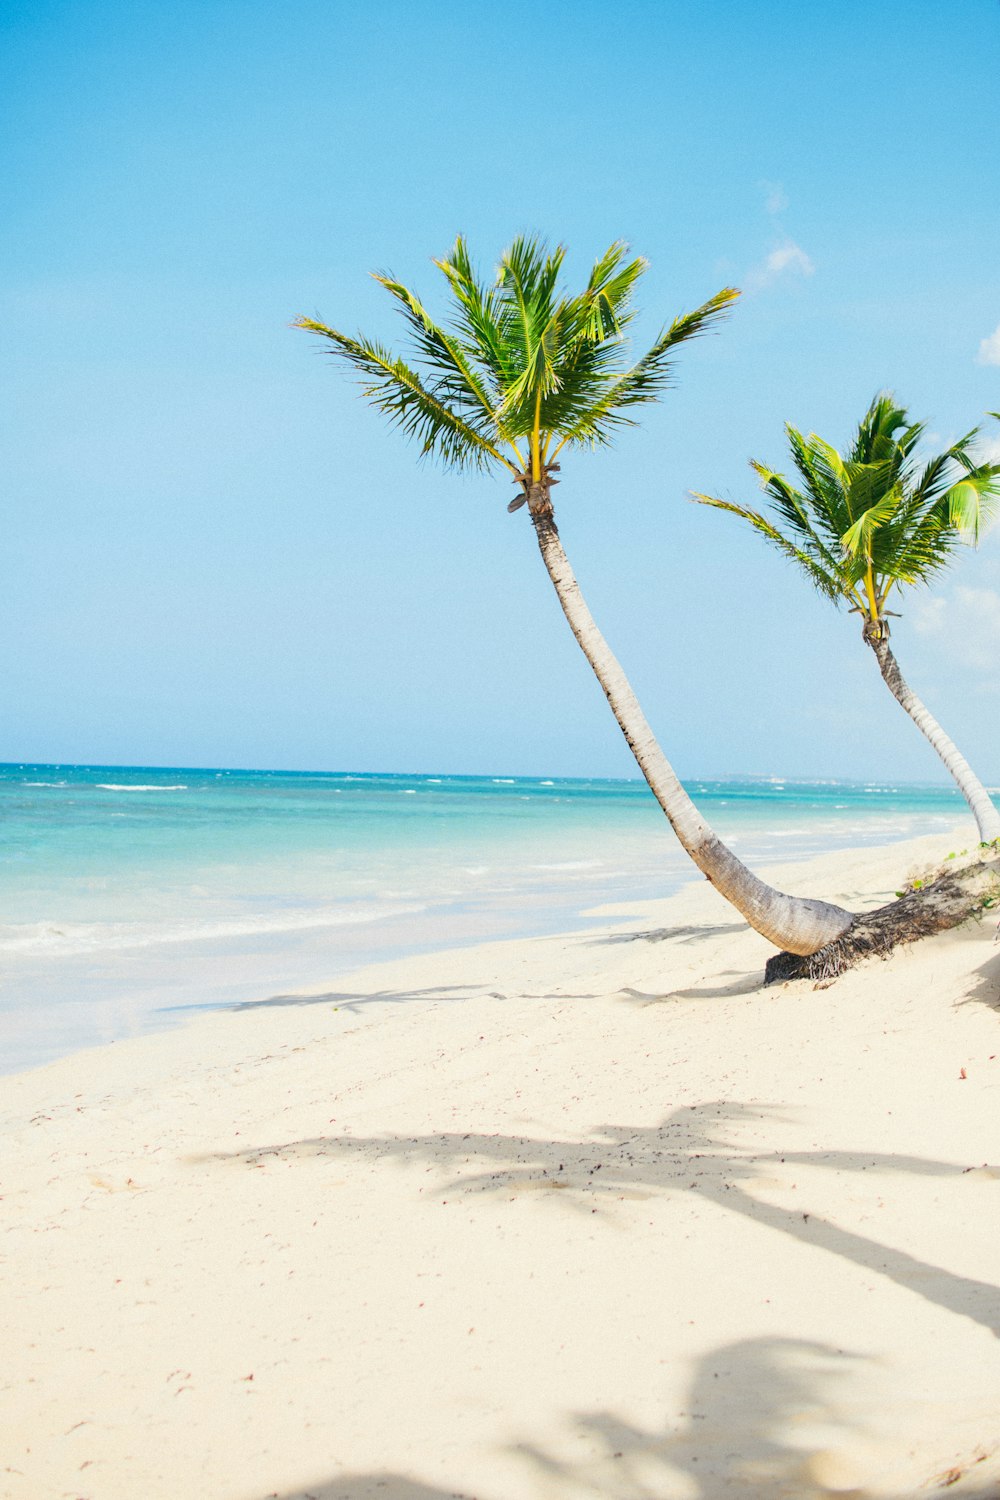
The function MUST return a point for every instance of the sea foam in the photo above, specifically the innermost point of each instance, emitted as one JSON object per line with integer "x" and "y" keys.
{"x": 133, "y": 786}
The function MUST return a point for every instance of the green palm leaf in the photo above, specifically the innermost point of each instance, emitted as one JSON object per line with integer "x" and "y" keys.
{"x": 595, "y": 421}
{"x": 973, "y": 504}
{"x": 825, "y": 579}
{"x": 857, "y": 538}
{"x": 464, "y": 381}
{"x": 873, "y": 519}
{"x": 419, "y": 412}
{"x": 519, "y": 363}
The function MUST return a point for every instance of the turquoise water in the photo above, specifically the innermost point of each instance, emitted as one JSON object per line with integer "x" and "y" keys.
{"x": 130, "y": 896}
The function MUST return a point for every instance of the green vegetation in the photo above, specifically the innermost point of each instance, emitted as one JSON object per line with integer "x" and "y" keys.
{"x": 866, "y": 525}
{"x": 522, "y": 370}
{"x": 876, "y": 519}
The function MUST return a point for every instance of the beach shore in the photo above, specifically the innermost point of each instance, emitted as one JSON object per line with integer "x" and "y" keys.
{"x": 584, "y": 1216}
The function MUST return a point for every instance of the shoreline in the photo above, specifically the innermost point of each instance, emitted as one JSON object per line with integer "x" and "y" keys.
{"x": 589, "y": 1214}
{"x": 76, "y": 975}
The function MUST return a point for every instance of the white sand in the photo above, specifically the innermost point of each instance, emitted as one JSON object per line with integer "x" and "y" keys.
{"x": 574, "y": 1217}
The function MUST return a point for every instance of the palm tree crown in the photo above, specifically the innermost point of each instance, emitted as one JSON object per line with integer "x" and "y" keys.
{"x": 875, "y": 519}
{"x": 523, "y": 369}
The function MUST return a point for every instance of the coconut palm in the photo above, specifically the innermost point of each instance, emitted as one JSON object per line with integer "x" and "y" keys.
{"x": 522, "y": 371}
{"x": 867, "y": 525}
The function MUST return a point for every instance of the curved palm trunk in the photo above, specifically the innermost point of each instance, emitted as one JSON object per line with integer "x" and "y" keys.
{"x": 797, "y": 925}
{"x": 985, "y": 813}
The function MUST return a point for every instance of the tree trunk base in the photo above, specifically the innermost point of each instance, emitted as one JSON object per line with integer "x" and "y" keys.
{"x": 946, "y": 902}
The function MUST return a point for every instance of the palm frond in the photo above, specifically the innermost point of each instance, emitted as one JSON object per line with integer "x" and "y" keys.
{"x": 869, "y": 484}
{"x": 828, "y": 503}
{"x": 873, "y": 516}
{"x": 933, "y": 480}
{"x": 822, "y": 502}
{"x": 518, "y": 357}
{"x": 653, "y": 372}
{"x": 526, "y": 283}
{"x": 912, "y": 554}
{"x": 478, "y": 320}
{"x": 825, "y": 452}
{"x": 609, "y": 291}
{"x": 443, "y": 354}
{"x": 827, "y": 580}
{"x": 596, "y": 420}
{"x": 974, "y": 502}
{"x": 875, "y": 437}
{"x": 857, "y": 538}
{"x": 421, "y": 413}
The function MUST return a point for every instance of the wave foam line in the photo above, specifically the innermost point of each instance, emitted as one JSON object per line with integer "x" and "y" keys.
{"x": 133, "y": 786}
{"x": 85, "y": 937}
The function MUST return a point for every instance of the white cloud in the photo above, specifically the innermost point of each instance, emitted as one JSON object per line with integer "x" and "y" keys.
{"x": 985, "y": 605}
{"x": 969, "y": 622}
{"x": 789, "y": 257}
{"x": 786, "y": 259}
{"x": 775, "y": 199}
{"x": 930, "y": 616}
{"x": 989, "y": 348}
{"x": 987, "y": 450}
{"x": 979, "y": 619}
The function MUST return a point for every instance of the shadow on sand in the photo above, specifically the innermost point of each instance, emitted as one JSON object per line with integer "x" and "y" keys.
{"x": 353, "y": 1001}
{"x": 690, "y": 1151}
{"x": 986, "y": 990}
{"x": 764, "y": 1417}
{"x": 691, "y": 934}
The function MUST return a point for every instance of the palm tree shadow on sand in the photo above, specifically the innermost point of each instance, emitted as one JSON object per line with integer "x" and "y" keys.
{"x": 986, "y": 989}
{"x": 354, "y": 1002}
{"x": 692, "y": 933}
{"x": 763, "y": 1417}
{"x": 690, "y": 1151}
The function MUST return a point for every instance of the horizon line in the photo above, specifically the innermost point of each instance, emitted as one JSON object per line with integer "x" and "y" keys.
{"x": 766, "y": 777}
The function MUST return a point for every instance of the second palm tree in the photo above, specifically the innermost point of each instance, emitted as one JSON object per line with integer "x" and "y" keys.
{"x": 866, "y": 525}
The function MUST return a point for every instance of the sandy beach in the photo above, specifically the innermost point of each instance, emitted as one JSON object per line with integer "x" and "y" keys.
{"x": 586, "y": 1216}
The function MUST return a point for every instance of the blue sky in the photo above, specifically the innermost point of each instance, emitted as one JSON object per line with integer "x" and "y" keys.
{"x": 214, "y": 554}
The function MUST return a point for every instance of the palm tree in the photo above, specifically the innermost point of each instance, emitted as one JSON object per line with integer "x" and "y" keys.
{"x": 522, "y": 371}
{"x": 878, "y": 520}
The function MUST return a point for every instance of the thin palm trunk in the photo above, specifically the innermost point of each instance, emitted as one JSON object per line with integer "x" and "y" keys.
{"x": 798, "y": 925}
{"x": 983, "y": 810}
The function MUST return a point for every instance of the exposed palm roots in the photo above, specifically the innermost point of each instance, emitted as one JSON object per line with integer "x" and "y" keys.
{"x": 935, "y": 906}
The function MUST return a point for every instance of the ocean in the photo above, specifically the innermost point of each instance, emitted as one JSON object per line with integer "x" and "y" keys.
{"x": 131, "y": 897}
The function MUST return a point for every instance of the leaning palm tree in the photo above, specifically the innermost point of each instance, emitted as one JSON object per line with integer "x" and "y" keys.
{"x": 867, "y": 525}
{"x": 522, "y": 371}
